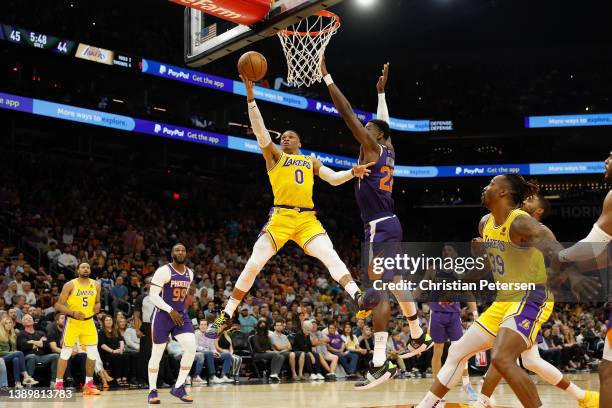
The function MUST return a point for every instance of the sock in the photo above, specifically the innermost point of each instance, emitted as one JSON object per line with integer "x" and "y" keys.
{"x": 231, "y": 306}
{"x": 88, "y": 379}
{"x": 465, "y": 380}
{"x": 153, "y": 380}
{"x": 430, "y": 401}
{"x": 183, "y": 373}
{"x": 415, "y": 329}
{"x": 352, "y": 288}
{"x": 575, "y": 391}
{"x": 380, "y": 348}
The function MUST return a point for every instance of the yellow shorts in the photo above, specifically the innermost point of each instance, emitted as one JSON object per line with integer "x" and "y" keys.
{"x": 529, "y": 314}
{"x": 286, "y": 224}
{"x": 82, "y": 330}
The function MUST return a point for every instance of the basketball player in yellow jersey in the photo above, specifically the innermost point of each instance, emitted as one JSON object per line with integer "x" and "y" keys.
{"x": 79, "y": 301}
{"x": 514, "y": 243}
{"x": 293, "y": 216}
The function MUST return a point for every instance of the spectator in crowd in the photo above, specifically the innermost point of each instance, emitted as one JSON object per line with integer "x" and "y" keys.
{"x": 19, "y": 304}
{"x": 35, "y": 347}
{"x": 247, "y": 320}
{"x": 328, "y": 360}
{"x": 303, "y": 344}
{"x": 132, "y": 345}
{"x": 224, "y": 344}
{"x": 53, "y": 253}
{"x": 366, "y": 342}
{"x": 351, "y": 342}
{"x": 347, "y": 359}
{"x": 281, "y": 343}
{"x": 10, "y": 293}
{"x": 120, "y": 296}
{"x": 550, "y": 351}
{"x": 207, "y": 349}
{"x": 263, "y": 350}
{"x": 67, "y": 262}
{"x": 112, "y": 348}
{"x": 28, "y": 293}
{"x": 175, "y": 351}
{"x": 394, "y": 348}
{"x": 9, "y": 352}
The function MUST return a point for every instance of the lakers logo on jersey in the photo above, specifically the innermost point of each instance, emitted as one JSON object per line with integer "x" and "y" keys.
{"x": 292, "y": 180}
{"x": 525, "y": 324}
{"x": 83, "y": 298}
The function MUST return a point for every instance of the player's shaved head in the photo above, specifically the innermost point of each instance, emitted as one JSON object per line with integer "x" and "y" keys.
{"x": 179, "y": 253}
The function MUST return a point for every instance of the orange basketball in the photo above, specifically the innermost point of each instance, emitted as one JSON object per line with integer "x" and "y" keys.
{"x": 253, "y": 65}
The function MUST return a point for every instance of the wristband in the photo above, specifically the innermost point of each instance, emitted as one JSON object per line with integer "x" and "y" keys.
{"x": 328, "y": 79}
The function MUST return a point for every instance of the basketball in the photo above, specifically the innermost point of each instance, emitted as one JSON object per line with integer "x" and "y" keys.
{"x": 252, "y": 65}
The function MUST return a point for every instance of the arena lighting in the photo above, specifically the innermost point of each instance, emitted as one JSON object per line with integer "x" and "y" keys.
{"x": 117, "y": 100}
{"x": 159, "y": 109}
{"x": 365, "y": 3}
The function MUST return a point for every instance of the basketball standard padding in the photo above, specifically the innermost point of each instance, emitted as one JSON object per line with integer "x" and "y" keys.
{"x": 253, "y": 65}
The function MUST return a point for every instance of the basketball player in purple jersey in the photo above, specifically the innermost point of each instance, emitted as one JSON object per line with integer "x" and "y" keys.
{"x": 169, "y": 288}
{"x": 375, "y": 200}
{"x": 599, "y": 237}
{"x": 445, "y": 318}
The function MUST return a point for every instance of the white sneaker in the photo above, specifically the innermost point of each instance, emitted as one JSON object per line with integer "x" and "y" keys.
{"x": 320, "y": 377}
{"x": 18, "y": 386}
{"x": 313, "y": 377}
{"x": 216, "y": 380}
{"x": 198, "y": 381}
{"x": 29, "y": 381}
{"x": 226, "y": 379}
{"x": 188, "y": 380}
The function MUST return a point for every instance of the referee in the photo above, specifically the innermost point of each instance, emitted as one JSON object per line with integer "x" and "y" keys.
{"x": 143, "y": 309}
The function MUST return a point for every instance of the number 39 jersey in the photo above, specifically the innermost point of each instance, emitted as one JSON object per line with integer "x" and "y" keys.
{"x": 512, "y": 263}
{"x": 292, "y": 180}
{"x": 83, "y": 297}
{"x": 374, "y": 193}
{"x": 175, "y": 286}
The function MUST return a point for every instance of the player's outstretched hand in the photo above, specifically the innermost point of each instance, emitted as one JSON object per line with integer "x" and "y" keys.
{"x": 362, "y": 170}
{"x": 78, "y": 316}
{"x": 176, "y": 318}
{"x": 248, "y": 84}
{"x": 583, "y": 287}
{"x": 382, "y": 80}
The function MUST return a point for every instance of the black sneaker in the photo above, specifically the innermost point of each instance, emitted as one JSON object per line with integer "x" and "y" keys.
{"x": 417, "y": 346}
{"x": 377, "y": 375}
{"x": 218, "y": 326}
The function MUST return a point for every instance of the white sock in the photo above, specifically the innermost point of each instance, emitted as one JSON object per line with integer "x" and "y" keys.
{"x": 465, "y": 380}
{"x": 575, "y": 391}
{"x": 430, "y": 401}
{"x": 182, "y": 377}
{"x": 153, "y": 380}
{"x": 88, "y": 379}
{"x": 415, "y": 329}
{"x": 352, "y": 288}
{"x": 380, "y": 348}
{"x": 231, "y": 306}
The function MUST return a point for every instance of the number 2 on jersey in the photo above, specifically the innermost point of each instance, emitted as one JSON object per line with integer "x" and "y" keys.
{"x": 386, "y": 183}
{"x": 179, "y": 294}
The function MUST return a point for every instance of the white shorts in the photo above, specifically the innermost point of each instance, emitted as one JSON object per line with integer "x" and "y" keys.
{"x": 607, "y": 354}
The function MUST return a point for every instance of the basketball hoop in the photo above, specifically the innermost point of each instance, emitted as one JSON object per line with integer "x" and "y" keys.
{"x": 304, "y": 44}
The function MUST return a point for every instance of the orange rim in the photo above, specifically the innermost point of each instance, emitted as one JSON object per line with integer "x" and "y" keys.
{"x": 322, "y": 13}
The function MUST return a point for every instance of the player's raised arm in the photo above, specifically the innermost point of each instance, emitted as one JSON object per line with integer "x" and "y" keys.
{"x": 335, "y": 178}
{"x": 369, "y": 143}
{"x": 270, "y": 151}
{"x": 382, "y": 112}
{"x": 526, "y": 231}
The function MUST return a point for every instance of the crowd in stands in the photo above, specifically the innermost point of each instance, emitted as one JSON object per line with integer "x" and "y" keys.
{"x": 302, "y": 323}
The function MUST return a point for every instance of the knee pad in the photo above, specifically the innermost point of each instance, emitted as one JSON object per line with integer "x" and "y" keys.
{"x": 92, "y": 353}
{"x": 188, "y": 344}
{"x": 322, "y": 248}
{"x": 262, "y": 252}
{"x": 157, "y": 352}
{"x": 66, "y": 353}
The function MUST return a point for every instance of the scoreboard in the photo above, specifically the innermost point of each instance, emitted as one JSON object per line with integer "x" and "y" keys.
{"x": 37, "y": 40}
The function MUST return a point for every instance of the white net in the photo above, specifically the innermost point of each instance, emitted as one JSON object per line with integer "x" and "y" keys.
{"x": 304, "y": 45}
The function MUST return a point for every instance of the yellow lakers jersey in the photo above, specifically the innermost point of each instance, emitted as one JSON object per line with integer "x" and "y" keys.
{"x": 292, "y": 180}
{"x": 511, "y": 263}
{"x": 83, "y": 297}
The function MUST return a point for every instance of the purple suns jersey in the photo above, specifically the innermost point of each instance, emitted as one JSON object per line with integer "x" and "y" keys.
{"x": 175, "y": 286}
{"x": 374, "y": 193}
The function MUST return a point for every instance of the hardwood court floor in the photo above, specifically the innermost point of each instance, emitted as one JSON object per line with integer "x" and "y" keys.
{"x": 394, "y": 394}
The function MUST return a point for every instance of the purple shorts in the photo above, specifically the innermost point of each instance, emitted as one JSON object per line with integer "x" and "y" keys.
{"x": 162, "y": 326}
{"x": 383, "y": 238}
{"x": 445, "y": 326}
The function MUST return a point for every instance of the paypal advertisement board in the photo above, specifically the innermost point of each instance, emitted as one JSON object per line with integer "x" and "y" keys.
{"x": 126, "y": 123}
{"x": 186, "y": 75}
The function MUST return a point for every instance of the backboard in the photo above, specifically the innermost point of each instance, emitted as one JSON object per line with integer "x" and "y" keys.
{"x": 208, "y": 38}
